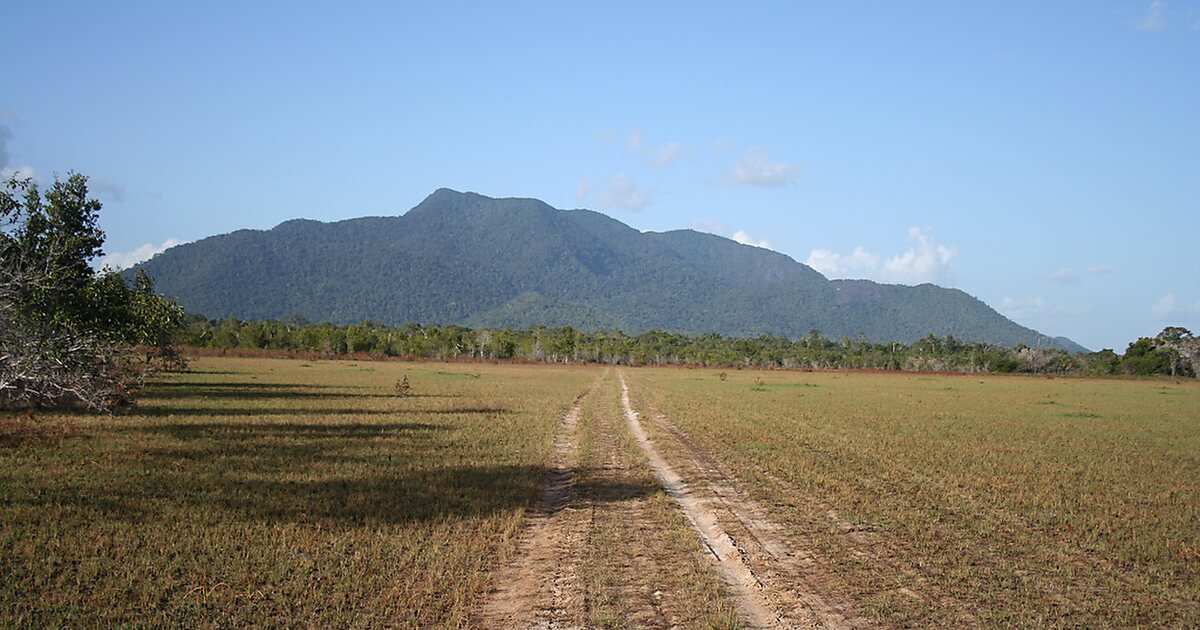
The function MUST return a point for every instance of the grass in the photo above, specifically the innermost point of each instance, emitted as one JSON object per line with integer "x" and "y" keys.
{"x": 254, "y": 492}
{"x": 641, "y": 555}
{"x": 1025, "y": 501}
{"x": 261, "y": 492}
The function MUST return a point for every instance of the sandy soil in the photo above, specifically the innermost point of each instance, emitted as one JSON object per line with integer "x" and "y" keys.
{"x": 604, "y": 547}
{"x": 536, "y": 589}
{"x": 597, "y": 549}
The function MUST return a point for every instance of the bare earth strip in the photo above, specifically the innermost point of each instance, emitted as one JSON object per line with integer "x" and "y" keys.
{"x": 536, "y": 589}
{"x": 769, "y": 593}
{"x": 642, "y": 566}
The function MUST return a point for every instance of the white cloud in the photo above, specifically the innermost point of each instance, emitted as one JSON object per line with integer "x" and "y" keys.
{"x": 710, "y": 226}
{"x": 755, "y": 169}
{"x": 720, "y": 229}
{"x": 20, "y": 172}
{"x": 834, "y": 265}
{"x": 635, "y": 139}
{"x": 1066, "y": 275}
{"x": 663, "y": 156}
{"x": 745, "y": 239}
{"x": 1023, "y": 307}
{"x": 8, "y": 171}
{"x": 5, "y": 136}
{"x": 125, "y": 260}
{"x": 1155, "y": 18}
{"x": 925, "y": 261}
{"x": 582, "y": 189}
{"x": 622, "y": 192}
{"x": 1071, "y": 275}
{"x": 1170, "y": 306}
{"x": 667, "y": 154}
{"x": 1037, "y": 306}
{"x": 112, "y": 190}
{"x": 605, "y": 138}
{"x": 1167, "y": 306}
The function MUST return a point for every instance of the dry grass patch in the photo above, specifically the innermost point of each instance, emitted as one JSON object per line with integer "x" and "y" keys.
{"x": 256, "y": 492}
{"x": 1022, "y": 501}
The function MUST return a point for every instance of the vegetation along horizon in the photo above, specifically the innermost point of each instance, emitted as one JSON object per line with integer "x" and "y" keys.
{"x": 143, "y": 485}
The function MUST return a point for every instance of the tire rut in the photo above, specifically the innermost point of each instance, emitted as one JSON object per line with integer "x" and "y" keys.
{"x": 540, "y": 585}
{"x": 762, "y": 575}
{"x": 624, "y": 573}
{"x": 798, "y": 561}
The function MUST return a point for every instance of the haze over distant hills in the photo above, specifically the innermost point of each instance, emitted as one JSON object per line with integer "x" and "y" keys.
{"x": 477, "y": 261}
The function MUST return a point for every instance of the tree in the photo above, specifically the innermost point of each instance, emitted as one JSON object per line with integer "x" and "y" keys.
{"x": 1184, "y": 348}
{"x": 1104, "y": 362}
{"x": 66, "y": 330}
{"x": 1144, "y": 358}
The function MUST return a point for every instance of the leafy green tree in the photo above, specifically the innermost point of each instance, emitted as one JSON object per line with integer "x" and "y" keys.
{"x": 1101, "y": 363}
{"x": 1143, "y": 358}
{"x": 66, "y": 329}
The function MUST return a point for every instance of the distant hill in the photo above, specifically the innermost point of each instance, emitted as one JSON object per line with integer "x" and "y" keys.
{"x": 473, "y": 260}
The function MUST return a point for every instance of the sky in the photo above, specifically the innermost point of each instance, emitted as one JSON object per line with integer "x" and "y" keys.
{"x": 1043, "y": 157}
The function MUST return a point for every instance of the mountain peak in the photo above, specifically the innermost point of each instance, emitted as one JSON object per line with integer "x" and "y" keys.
{"x": 463, "y": 258}
{"x": 445, "y": 200}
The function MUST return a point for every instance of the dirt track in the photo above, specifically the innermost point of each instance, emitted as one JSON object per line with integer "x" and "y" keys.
{"x": 599, "y": 548}
{"x": 769, "y": 581}
{"x": 535, "y": 590}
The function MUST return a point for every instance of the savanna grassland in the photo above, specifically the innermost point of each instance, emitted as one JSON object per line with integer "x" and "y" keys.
{"x": 249, "y": 492}
{"x": 272, "y": 492}
{"x": 947, "y": 500}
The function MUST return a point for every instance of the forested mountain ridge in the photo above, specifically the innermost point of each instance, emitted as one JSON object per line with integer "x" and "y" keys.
{"x": 473, "y": 260}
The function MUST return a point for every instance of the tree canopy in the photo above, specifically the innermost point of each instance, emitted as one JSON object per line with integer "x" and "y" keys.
{"x": 67, "y": 329}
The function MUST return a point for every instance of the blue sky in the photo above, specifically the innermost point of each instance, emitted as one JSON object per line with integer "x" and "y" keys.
{"x": 1044, "y": 157}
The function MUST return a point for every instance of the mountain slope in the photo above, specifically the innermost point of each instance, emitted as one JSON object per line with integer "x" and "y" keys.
{"x": 469, "y": 259}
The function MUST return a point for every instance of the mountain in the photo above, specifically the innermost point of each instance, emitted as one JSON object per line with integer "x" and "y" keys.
{"x": 473, "y": 260}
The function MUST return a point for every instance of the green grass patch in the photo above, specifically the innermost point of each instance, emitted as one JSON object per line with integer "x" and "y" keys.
{"x": 464, "y": 375}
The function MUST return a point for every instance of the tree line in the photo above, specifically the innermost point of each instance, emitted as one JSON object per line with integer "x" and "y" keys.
{"x": 74, "y": 334}
{"x": 1174, "y": 352}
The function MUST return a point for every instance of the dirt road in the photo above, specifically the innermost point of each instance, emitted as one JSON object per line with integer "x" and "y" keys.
{"x": 769, "y": 581}
{"x": 621, "y": 538}
{"x": 535, "y": 590}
